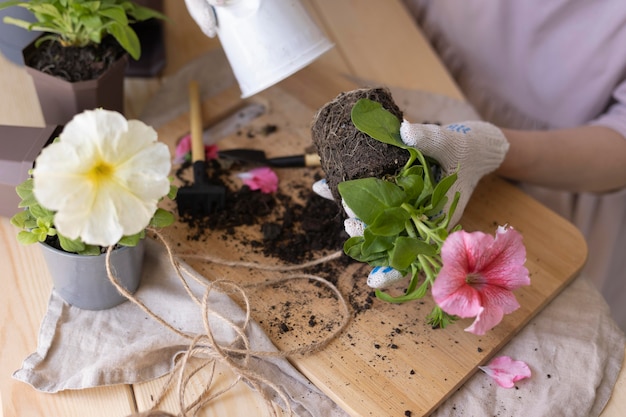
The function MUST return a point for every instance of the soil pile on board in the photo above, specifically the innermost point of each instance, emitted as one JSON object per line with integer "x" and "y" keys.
{"x": 295, "y": 227}
{"x": 75, "y": 63}
{"x": 345, "y": 152}
{"x": 291, "y": 231}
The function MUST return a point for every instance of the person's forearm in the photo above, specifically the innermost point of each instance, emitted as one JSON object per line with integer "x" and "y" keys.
{"x": 589, "y": 158}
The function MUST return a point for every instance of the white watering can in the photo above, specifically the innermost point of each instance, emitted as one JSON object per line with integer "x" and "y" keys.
{"x": 265, "y": 41}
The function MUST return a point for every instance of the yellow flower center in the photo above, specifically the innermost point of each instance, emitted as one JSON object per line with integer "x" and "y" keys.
{"x": 100, "y": 172}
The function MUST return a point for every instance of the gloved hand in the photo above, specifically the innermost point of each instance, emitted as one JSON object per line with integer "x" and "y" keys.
{"x": 472, "y": 149}
{"x": 204, "y": 15}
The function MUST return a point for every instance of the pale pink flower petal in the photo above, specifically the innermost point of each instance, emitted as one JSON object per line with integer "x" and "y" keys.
{"x": 262, "y": 178}
{"x": 504, "y": 261}
{"x": 497, "y": 302}
{"x": 486, "y": 320}
{"x": 478, "y": 275}
{"x": 183, "y": 148}
{"x": 506, "y": 371}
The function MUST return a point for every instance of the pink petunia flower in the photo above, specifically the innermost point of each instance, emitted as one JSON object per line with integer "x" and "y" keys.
{"x": 479, "y": 274}
{"x": 262, "y": 178}
{"x": 506, "y": 371}
{"x": 183, "y": 150}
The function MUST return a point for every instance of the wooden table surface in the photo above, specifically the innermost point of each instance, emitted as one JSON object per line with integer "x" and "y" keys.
{"x": 27, "y": 285}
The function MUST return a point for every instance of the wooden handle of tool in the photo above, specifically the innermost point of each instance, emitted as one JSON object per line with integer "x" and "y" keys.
{"x": 195, "y": 121}
{"x": 312, "y": 160}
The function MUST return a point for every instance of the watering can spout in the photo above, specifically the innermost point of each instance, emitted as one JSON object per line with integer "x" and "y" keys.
{"x": 266, "y": 41}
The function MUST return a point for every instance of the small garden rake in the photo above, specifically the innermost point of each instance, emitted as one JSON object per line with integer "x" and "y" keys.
{"x": 200, "y": 198}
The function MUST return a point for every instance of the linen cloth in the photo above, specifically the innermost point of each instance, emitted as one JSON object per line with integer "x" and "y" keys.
{"x": 573, "y": 347}
{"x": 529, "y": 65}
{"x": 123, "y": 345}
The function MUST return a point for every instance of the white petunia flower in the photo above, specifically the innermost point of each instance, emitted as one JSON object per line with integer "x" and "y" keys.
{"x": 104, "y": 177}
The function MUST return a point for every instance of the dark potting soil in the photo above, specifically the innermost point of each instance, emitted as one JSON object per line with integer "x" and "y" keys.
{"x": 293, "y": 230}
{"x": 75, "y": 63}
{"x": 347, "y": 153}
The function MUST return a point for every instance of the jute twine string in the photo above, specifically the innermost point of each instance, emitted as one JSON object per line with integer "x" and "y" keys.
{"x": 238, "y": 354}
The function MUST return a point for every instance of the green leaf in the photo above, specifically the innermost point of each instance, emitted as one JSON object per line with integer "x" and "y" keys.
{"x": 413, "y": 185}
{"x": 141, "y": 13}
{"x": 414, "y": 170}
{"x": 352, "y": 247}
{"x": 26, "y": 237}
{"x": 132, "y": 240}
{"x": 379, "y": 259}
{"x": 434, "y": 211}
{"x": 30, "y": 223}
{"x": 439, "y": 319}
{"x": 418, "y": 293}
{"x": 390, "y": 222}
{"x": 20, "y": 218}
{"x": 373, "y": 244}
{"x": 406, "y": 249}
{"x": 91, "y": 250}
{"x": 403, "y": 253}
{"x": 162, "y": 218}
{"x": 126, "y": 37}
{"x": 372, "y": 119}
{"x": 369, "y": 197}
{"x": 451, "y": 211}
{"x": 25, "y": 189}
{"x": 25, "y": 192}
{"x": 173, "y": 192}
{"x": 68, "y": 245}
{"x": 116, "y": 14}
{"x": 41, "y": 233}
{"x": 42, "y": 213}
{"x": 441, "y": 189}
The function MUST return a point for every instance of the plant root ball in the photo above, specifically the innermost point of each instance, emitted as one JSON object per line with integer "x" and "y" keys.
{"x": 345, "y": 152}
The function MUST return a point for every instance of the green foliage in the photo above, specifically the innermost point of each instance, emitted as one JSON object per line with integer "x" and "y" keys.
{"x": 83, "y": 22}
{"x": 405, "y": 221}
{"x": 439, "y": 318}
{"x": 37, "y": 223}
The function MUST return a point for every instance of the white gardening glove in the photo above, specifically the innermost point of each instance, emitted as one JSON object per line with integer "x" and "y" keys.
{"x": 474, "y": 148}
{"x": 203, "y": 12}
{"x": 379, "y": 277}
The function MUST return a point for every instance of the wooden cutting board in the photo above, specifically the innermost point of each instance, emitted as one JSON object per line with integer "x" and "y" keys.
{"x": 388, "y": 361}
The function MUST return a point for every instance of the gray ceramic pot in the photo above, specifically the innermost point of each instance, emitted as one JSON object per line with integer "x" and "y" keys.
{"x": 82, "y": 280}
